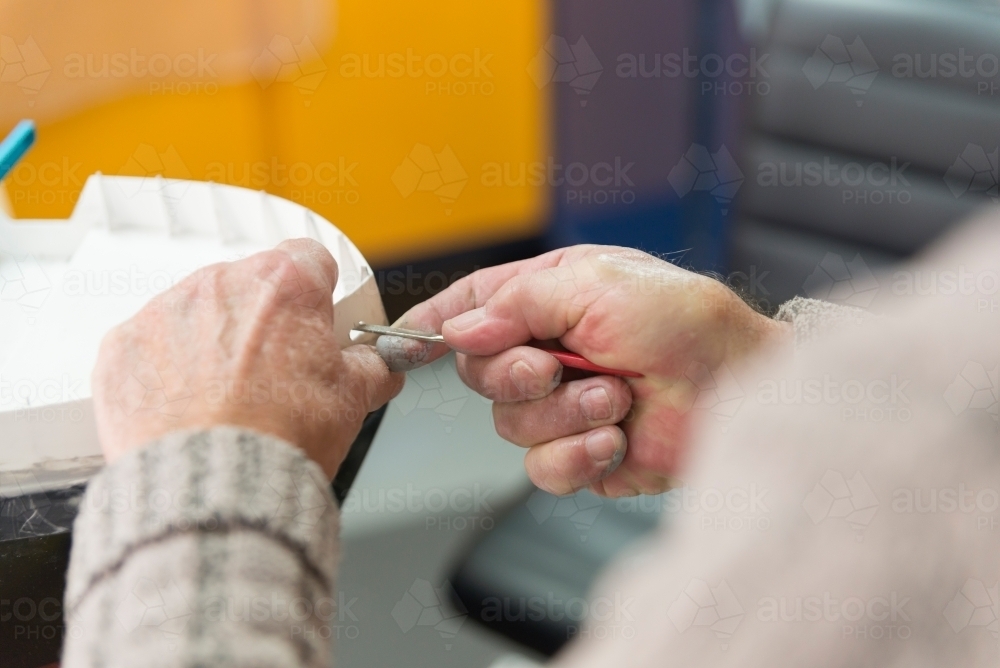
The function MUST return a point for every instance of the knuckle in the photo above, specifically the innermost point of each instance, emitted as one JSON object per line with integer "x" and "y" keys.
{"x": 322, "y": 255}
{"x": 280, "y": 263}
{"x": 517, "y": 288}
{"x": 469, "y": 371}
{"x": 506, "y": 425}
{"x": 203, "y": 285}
{"x": 490, "y": 384}
{"x": 550, "y": 472}
{"x": 484, "y": 378}
{"x": 621, "y": 398}
{"x": 110, "y": 343}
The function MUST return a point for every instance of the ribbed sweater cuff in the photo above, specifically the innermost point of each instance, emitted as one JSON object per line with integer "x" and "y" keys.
{"x": 216, "y": 480}
{"x": 812, "y": 318}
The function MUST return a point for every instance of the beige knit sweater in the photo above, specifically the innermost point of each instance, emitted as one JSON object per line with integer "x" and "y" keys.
{"x": 846, "y": 514}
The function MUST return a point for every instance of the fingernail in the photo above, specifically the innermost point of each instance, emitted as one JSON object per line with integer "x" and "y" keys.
{"x": 605, "y": 450}
{"x": 596, "y": 404}
{"x": 467, "y": 320}
{"x": 526, "y": 380}
{"x": 401, "y": 354}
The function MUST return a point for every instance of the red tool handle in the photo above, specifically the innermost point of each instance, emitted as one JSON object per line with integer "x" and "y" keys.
{"x": 575, "y": 361}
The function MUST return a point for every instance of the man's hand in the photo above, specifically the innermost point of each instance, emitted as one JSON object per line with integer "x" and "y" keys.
{"x": 617, "y": 307}
{"x": 247, "y": 343}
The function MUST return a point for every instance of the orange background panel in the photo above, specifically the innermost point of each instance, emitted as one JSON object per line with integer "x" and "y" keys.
{"x": 391, "y": 151}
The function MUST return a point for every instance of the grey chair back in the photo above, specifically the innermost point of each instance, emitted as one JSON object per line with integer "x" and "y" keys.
{"x": 879, "y": 130}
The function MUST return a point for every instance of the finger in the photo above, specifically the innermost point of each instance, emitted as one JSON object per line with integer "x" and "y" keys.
{"x": 542, "y": 305}
{"x": 517, "y": 374}
{"x": 568, "y": 464}
{"x": 298, "y": 272}
{"x": 369, "y": 384}
{"x": 463, "y": 295}
{"x": 402, "y": 355}
{"x": 573, "y": 408}
{"x": 629, "y": 480}
{"x": 312, "y": 257}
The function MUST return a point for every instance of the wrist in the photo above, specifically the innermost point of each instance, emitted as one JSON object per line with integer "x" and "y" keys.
{"x": 751, "y": 333}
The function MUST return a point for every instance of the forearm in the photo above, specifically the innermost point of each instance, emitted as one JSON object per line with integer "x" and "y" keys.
{"x": 216, "y": 547}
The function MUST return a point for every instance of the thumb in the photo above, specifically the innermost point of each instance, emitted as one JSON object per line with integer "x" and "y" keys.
{"x": 371, "y": 382}
{"x": 541, "y": 305}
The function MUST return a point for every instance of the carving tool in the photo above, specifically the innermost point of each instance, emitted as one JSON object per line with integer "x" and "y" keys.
{"x": 566, "y": 358}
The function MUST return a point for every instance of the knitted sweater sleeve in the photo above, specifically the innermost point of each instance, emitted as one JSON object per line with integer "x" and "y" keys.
{"x": 206, "y": 548}
{"x": 811, "y": 318}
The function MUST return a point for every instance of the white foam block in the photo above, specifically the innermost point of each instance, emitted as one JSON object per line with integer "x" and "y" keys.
{"x": 63, "y": 285}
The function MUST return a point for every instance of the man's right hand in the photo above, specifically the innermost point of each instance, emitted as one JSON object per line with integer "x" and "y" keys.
{"x": 619, "y": 308}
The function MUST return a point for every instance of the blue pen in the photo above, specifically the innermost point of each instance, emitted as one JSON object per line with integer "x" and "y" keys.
{"x": 15, "y": 145}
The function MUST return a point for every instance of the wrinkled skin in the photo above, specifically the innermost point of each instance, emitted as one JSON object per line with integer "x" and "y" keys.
{"x": 247, "y": 343}
{"x": 619, "y": 308}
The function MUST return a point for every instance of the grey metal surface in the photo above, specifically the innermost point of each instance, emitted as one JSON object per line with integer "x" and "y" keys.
{"x": 780, "y": 261}
{"x": 913, "y": 120}
{"x": 885, "y": 107}
{"x": 881, "y": 203}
